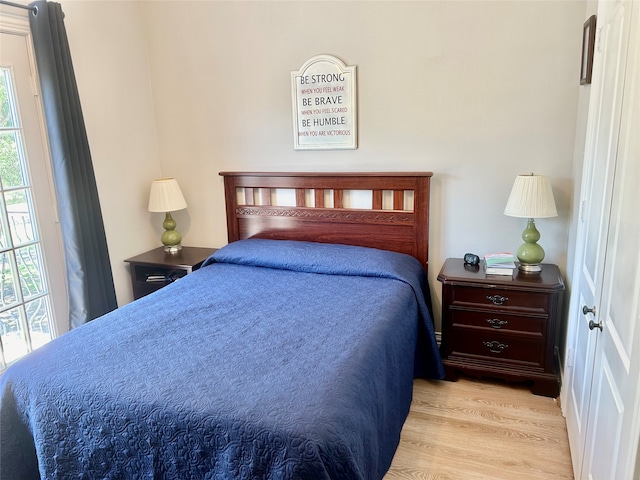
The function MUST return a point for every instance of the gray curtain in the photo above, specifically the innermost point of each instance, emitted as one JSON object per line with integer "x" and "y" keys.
{"x": 89, "y": 276}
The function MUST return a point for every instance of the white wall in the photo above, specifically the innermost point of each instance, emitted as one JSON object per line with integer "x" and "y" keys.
{"x": 112, "y": 72}
{"x": 476, "y": 92}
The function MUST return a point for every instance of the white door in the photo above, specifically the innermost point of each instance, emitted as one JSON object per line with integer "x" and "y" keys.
{"x": 33, "y": 300}
{"x": 604, "y": 358}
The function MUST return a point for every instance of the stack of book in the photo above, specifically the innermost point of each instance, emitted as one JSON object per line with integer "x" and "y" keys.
{"x": 499, "y": 264}
{"x": 156, "y": 278}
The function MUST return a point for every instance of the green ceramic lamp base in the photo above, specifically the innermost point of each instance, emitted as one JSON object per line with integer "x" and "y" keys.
{"x": 530, "y": 254}
{"x": 171, "y": 238}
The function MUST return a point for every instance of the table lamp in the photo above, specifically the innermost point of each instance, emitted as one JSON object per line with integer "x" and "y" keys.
{"x": 167, "y": 197}
{"x": 531, "y": 197}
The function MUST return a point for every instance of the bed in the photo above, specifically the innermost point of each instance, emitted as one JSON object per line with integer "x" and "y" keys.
{"x": 289, "y": 355}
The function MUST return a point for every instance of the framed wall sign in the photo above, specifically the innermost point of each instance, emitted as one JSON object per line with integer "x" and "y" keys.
{"x": 588, "y": 40}
{"x": 323, "y": 96}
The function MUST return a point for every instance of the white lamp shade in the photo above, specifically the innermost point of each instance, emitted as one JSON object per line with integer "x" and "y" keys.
{"x": 166, "y": 196}
{"x": 531, "y": 197}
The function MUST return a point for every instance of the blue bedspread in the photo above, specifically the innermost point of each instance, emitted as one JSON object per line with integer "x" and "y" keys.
{"x": 278, "y": 360}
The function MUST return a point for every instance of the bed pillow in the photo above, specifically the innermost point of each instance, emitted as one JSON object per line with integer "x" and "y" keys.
{"x": 313, "y": 257}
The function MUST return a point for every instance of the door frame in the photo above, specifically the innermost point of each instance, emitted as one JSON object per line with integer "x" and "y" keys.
{"x": 580, "y": 426}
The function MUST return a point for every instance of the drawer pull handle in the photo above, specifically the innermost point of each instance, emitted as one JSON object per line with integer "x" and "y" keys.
{"x": 496, "y": 322}
{"x": 495, "y": 346}
{"x": 497, "y": 299}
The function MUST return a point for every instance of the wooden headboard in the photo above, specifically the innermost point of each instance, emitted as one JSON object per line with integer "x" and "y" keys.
{"x": 396, "y": 217}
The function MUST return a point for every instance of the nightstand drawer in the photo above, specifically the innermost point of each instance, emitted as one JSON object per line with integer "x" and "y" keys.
{"x": 500, "y": 298}
{"x": 495, "y": 321}
{"x": 508, "y": 348}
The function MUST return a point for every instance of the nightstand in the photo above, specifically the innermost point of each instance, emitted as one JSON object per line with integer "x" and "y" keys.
{"x": 154, "y": 269}
{"x": 501, "y": 327}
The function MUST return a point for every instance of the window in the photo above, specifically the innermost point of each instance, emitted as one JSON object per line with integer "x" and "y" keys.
{"x": 33, "y": 287}
{"x": 25, "y": 304}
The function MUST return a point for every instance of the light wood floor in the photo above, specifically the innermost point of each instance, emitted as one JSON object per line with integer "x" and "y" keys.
{"x": 472, "y": 429}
